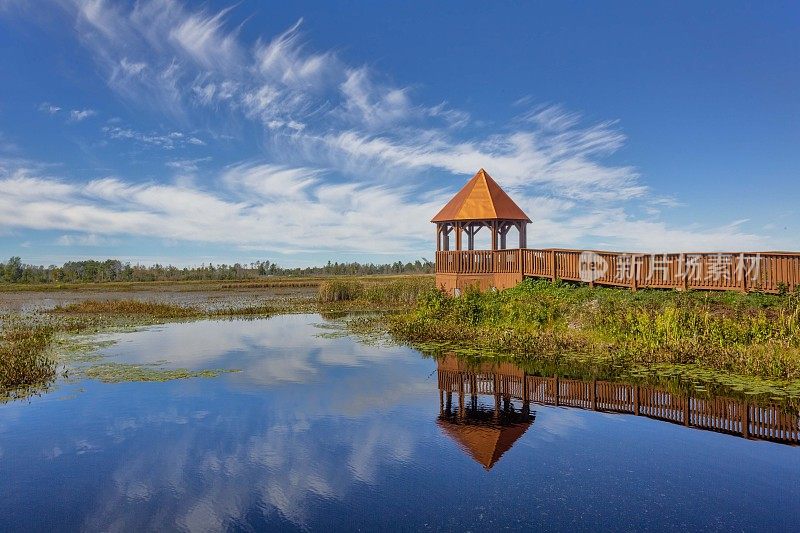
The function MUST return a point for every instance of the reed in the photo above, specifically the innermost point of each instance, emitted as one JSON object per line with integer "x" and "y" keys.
{"x": 25, "y": 363}
{"x": 750, "y": 334}
{"x": 340, "y": 290}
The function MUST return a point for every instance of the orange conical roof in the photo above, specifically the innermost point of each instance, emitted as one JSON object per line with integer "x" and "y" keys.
{"x": 481, "y": 199}
{"x": 484, "y": 443}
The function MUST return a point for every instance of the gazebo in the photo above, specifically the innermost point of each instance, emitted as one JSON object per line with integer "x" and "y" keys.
{"x": 480, "y": 204}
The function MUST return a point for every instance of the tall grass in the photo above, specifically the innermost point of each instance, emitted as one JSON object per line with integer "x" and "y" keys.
{"x": 394, "y": 292}
{"x": 25, "y": 364}
{"x": 340, "y": 290}
{"x": 753, "y": 334}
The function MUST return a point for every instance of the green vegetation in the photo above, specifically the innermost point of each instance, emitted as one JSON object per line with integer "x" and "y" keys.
{"x": 128, "y": 308}
{"x": 26, "y": 366}
{"x": 112, "y": 270}
{"x": 124, "y": 372}
{"x": 748, "y": 343}
{"x": 383, "y": 294}
{"x": 340, "y": 290}
{"x": 754, "y": 334}
{"x": 27, "y": 341}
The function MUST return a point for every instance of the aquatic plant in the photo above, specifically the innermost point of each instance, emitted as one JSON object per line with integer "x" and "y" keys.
{"x": 25, "y": 363}
{"x": 130, "y": 308}
{"x": 753, "y": 334}
{"x": 340, "y": 290}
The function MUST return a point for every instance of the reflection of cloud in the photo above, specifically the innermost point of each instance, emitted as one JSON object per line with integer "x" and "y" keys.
{"x": 206, "y": 476}
{"x": 275, "y": 447}
{"x": 285, "y": 348}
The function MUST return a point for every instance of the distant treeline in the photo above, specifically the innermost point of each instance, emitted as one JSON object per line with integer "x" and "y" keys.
{"x": 91, "y": 271}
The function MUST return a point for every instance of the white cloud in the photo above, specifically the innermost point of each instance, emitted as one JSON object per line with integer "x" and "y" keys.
{"x": 370, "y": 105}
{"x": 203, "y": 38}
{"x": 187, "y": 165}
{"x": 89, "y": 239}
{"x": 168, "y": 140}
{"x": 264, "y": 207}
{"x": 132, "y": 68}
{"x": 48, "y": 108}
{"x": 79, "y": 115}
{"x": 368, "y": 134}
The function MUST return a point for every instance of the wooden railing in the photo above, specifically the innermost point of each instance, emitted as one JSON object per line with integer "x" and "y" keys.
{"x": 742, "y": 271}
{"x": 727, "y": 415}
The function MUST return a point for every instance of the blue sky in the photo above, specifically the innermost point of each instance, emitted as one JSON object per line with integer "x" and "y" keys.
{"x": 163, "y": 131}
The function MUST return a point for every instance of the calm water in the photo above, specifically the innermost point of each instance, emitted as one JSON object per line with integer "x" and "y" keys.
{"x": 326, "y": 433}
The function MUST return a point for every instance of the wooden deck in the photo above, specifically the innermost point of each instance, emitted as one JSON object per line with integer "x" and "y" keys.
{"x": 738, "y": 271}
{"x": 726, "y": 415}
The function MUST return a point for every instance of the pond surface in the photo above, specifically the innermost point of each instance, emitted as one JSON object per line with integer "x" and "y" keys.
{"x": 325, "y": 433}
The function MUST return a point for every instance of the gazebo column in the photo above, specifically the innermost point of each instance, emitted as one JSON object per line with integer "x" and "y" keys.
{"x": 458, "y": 228}
{"x": 471, "y": 236}
{"x": 523, "y": 234}
{"x": 493, "y": 228}
{"x": 446, "y": 229}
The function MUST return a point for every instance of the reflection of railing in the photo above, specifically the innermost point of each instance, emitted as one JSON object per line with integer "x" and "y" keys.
{"x": 718, "y": 414}
{"x": 768, "y": 272}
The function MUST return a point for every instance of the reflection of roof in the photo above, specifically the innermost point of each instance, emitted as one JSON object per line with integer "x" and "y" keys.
{"x": 481, "y": 199}
{"x": 485, "y": 443}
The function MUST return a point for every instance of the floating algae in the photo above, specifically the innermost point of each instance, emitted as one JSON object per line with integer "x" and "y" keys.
{"x": 126, "y": 372}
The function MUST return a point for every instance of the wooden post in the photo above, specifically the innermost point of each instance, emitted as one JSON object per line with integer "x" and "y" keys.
{"x": 636, "y": 400}
{"x": 594, "y": 395}
{"x": 555, "y": 379}
{"x": 741, "y": 272}
{"x": 634, "y": 273}
{"x": 525, "y": 388}
{"x": 457, "y": 227}
{"x": 523, "y": 235}
{"x": 493, "y": 229}
{"x": 684, "y": 269}
{"x": 745, "y": 409}
{"x": 460, "y": 396}
{"x": 552, "y": 265}
{"x": 687, "y": 411}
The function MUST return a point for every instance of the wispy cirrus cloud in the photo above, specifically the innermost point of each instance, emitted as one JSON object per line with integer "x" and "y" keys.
{"x": 343, "y": 148}
{"x": 168, "y": 141}
{"x": 312, "y": 214}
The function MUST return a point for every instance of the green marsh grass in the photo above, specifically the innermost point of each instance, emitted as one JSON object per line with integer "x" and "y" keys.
{"x": 751, "y": 334}
{"x": 26, "y": 365}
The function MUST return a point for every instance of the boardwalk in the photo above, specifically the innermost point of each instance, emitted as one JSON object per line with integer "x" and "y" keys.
{"x": 482, "y": 206}
{"x": 739, "y": 271}
{"x": 506, "y": 382}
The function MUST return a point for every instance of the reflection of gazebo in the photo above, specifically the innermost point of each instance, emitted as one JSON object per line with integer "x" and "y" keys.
{"x": 485, "y": 441}
{"x": 480, "y": 204}
{"x": 484, "y": 433}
